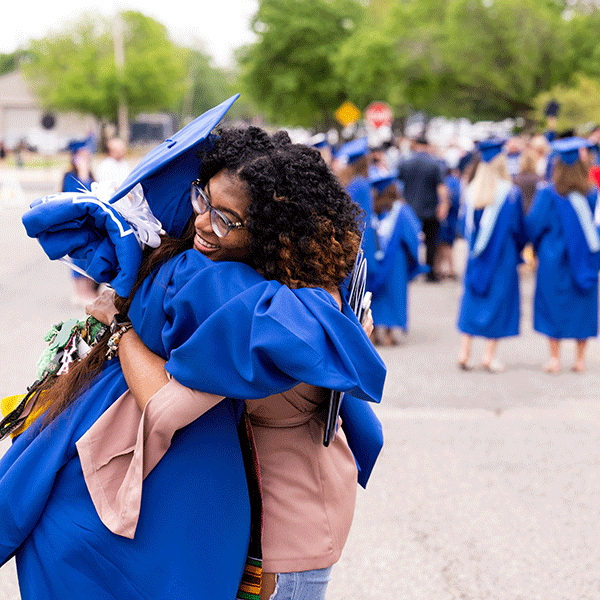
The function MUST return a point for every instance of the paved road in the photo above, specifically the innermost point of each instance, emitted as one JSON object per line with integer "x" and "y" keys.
{"x": 488, "y": 486}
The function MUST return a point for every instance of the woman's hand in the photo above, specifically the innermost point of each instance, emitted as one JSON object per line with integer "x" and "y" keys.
{"x": 103, "y": 307}
{"x": 367, "y": 322}
{"x": 367, "y": 317}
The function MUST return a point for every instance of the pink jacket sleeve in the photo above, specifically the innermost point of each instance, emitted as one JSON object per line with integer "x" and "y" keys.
{"x": 126, "y": 443}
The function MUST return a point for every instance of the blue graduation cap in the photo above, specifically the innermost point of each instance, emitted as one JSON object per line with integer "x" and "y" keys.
{"x": 568, "y": 148}
{"x": 76, "y": 145}
{"x": 489, "y": 149}
{"x": 167, "y": 172}
{"x": 318, "y": 140}
{"x": 354, "y": 150}
{"x": 381, "y": 182}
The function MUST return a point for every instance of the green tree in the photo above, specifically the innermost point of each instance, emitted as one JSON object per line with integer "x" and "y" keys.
{"x": 501, "y": 54}
{"x": 75, "y": 68}
{"x": 206, "y": 85}
{"x": 471, "y": 58}
{"x": 11, "y": 61}
{"x": 395, "y": 55}
{"x": 578, "y": 102}
{"x": 289, "y": 71}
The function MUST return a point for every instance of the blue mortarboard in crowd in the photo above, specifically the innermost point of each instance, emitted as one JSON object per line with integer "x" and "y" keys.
{"x": 318, "y": 140}
{"x": 166, "y": 173}
{"x": 568, "y": 148}
{"x": 76, "y": 145}
{"x": 489, "y": 149}
{"x": 381, "y": 182}
{"x": 354, "y": 150}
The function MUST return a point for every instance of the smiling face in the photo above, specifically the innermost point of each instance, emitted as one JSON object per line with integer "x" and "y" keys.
{"x": 229, "y": 194}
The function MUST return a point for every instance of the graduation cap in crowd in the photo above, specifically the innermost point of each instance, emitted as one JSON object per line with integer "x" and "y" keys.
{"x": 166, "y": 173}
{"x": 489, "y": 149}
{"x": 318, "y": 140}
{"x": 568, "y": 148}
{"x": 552, "y": 108}
{"x": 353, "y": 150}
{"x": 381, "y": 182}
{"x": 75, "y": 145}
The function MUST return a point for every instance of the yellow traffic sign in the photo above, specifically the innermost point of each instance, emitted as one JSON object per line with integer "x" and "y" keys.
{"x": 347, "y": 114}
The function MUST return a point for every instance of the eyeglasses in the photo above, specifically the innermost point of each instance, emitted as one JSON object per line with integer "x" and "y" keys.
{"x": 221, "y": 225}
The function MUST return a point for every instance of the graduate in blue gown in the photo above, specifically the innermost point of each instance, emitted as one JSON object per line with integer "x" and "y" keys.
{"x": 80, "y": 178}
{"x": 222, "y": 328}
{"x": 495, "y": 232}
{"x": 395, "y": 262}
{"x": 561, "y": 228}
{"x": 355, "y": 155}
{"x": 448, "y": 227}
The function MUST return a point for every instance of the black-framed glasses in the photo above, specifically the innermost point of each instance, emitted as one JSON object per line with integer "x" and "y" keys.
{"x": 221, "y": 225}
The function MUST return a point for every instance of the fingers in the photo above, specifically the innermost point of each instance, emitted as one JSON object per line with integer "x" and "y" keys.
{"x": 103, "y": 307}
{"x": 367, "y": 322}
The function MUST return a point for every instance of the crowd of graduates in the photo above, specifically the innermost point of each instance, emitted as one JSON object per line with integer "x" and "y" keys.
{"x": 522, "y": 199}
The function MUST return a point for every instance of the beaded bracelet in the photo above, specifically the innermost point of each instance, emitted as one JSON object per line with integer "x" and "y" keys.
{"x": 118, "y": 327}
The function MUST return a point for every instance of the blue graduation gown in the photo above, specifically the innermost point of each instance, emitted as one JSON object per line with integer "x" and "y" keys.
{"x": 562, "y": 307}
{"x": 390, "y": 271}
{"x": 448, "y": 226}
{"x": 490, "y": 305}
{"x": 222, "y": 328}
{"x": 360, "y": 190}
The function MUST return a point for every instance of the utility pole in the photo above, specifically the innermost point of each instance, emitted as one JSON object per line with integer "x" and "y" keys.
{"x": 119, "y": 44}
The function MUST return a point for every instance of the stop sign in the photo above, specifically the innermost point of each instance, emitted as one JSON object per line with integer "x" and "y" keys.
{"x": 378, "y": 114}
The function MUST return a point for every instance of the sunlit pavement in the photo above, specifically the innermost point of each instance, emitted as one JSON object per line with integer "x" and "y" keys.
{"x": 488, "y": 486}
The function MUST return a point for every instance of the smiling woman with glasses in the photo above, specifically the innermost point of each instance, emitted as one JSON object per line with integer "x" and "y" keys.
{"x": 221, "y": 225}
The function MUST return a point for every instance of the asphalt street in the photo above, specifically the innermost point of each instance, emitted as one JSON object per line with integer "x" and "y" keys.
{"x": 488, "y": 486}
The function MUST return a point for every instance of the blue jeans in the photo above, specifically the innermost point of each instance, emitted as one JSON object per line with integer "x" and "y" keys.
{"x": 305, "y": 585}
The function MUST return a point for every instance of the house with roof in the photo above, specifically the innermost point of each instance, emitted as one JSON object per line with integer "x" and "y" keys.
{"x": 24, "y": 120}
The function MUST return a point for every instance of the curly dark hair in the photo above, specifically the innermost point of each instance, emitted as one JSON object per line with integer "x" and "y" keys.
{"x": 304, "y": 228}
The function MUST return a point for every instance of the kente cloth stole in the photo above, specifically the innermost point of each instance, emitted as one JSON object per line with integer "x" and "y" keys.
{"x": 251, "y": 583}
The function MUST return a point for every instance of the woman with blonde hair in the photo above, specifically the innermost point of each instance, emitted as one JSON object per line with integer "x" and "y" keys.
{"x": 565, "y": 238}
{"x": 495, "y": 233}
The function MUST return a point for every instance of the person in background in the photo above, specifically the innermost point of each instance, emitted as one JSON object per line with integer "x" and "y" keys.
{"x": 396, "y": 261}
{"x": 541, "y": 148}
{"x": 447, "y": 234}
{"x": 527, "y": 179}
{"x": 77, "y": 179}
{"x": 426, "y": 193}
{"x": 114, "y": 167}
{"x": 513, "y": 149}
{"x": 355, "y": 178}
{"x": 319, "y": 141}
{"x": 495, "y": 232}
{"x": 561, "y": 227}
{"x": 594, "y": 152}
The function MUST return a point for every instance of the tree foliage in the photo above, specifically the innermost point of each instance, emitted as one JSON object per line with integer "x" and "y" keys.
{"x": 289, "y": 72}
{"x": 75, "y": 69}
{"x": 206, "y": 85}
{"x": 11, "y": 61}
{"x": 481, "y": 59}
{"x": 578, "y": 103}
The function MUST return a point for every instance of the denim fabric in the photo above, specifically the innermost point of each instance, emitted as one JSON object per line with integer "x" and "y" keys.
{"x": 305, "y": 585}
